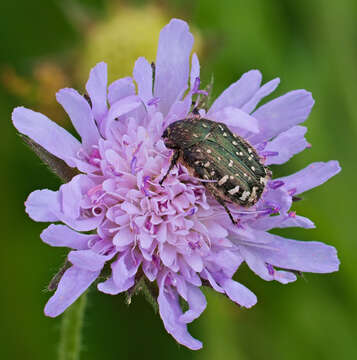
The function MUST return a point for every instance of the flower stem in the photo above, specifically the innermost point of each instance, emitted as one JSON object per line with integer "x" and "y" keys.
{"x": 72, "y": 323}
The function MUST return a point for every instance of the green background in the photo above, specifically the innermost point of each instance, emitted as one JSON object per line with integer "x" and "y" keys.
{"x": 308, "y": 44}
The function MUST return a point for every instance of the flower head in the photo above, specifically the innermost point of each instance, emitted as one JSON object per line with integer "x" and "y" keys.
{"x": 176, "y": 235}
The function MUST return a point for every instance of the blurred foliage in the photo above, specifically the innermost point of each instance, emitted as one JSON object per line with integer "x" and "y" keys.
{"x": 48, "y": 44}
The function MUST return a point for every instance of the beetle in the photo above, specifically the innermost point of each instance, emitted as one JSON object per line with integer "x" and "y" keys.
{"x": 210, "y": 151}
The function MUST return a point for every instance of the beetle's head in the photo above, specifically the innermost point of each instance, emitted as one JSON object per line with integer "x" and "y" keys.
{"x": 168, "y": 140}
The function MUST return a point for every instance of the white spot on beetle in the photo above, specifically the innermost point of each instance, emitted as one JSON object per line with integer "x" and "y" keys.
{"x": 207, "y": 164}
{"x": 225, "y": 134}
{"x": 250, "y": 150}
{"x": 197, "y": 162}
{"x": 231, "y": 177}
{"x": 234, "y": 143}
{"x": 204, "y": 125}
{"x": 223, "y": 180}
{"x": 234, "y": 190}
{"x": 219, "y": 158}
{"x": 253, "y": 168}
{"x": 213, "y": 172}
{"x": 208, "y": 151}
{"x": 230, "y": 163}
{"x": 195, "y": 135}
{"x": 263, "y": 180}
{"x": 253, "y": 196}
{"x": 244, "y": 195}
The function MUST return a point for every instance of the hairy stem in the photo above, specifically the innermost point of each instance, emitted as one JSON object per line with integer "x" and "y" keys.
{"x": 72, "y": 323}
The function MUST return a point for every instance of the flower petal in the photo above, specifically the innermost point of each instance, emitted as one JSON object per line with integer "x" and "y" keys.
{"x": 109, "y": 287}
{"x": 97, "y": 89}
{"x": 61, "y": 235}
{"x": 313, "y": 175}
{"x": 197, "y": 303}
{"x": 235, "y": 119}
{"x": 88, "y": 259}
{"x": 46, "y": 133}
{"x": 172, "y": 63}
{"x": 238, "y": 93}
{"x": 40, "y": 203}
{"x": 124, "y": 270}
{"x": 120, "y": 88}
{"x": 72, "y": 285}
{"x": 282, "y": 221}
{"x": 306, "y": 256}
{"x": 260, "y": 267}
{"x": 195, "y": 70}
{"x": 281, "y": 114}
{"x": 238, "y": 293}
{"x": 264, "y": 91}
{"x": 143, "y": 77}
{"x": 170, "y": 313}
{"x": 119, "y": 108}
{"x": 81, "y": 115}
{"x": 287, "y": 144}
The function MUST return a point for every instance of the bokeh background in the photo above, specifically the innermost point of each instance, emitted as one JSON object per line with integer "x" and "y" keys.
{"x": 48, "y": 44}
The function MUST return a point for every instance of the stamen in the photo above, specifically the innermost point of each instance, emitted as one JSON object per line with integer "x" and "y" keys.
{"x": 274, "y": 206}
{"x": 144, "y": 188}
{"x": 269, "y": 153}
{"x": 153, "y": 101}
{"x": 191, "y": 211}
{"x": 97, "y": 210}
{"x": 261, "y": 146}
{"x": 133, "y": 165}
{"x": 270, "y": 269}
{"x": 276, "y": 184}
{"x": 196, "y": 86}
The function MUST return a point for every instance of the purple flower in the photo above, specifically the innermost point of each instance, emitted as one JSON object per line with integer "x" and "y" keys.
{"x": 178, "y": 235}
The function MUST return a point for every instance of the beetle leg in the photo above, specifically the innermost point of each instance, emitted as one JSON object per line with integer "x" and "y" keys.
{"x": 217, "y": 196}
{"x": 227, "y": 211}
{"x": 173, "y": 163}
